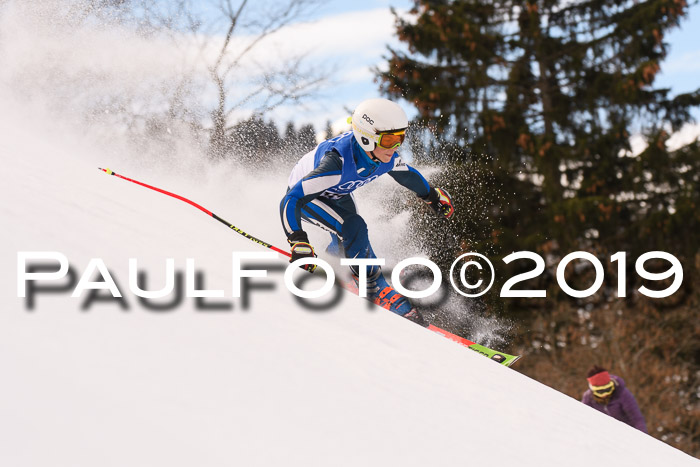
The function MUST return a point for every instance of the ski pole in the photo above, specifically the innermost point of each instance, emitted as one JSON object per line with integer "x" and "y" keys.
{"x": 204, "y": 210}
{"x": 502, "y": 358}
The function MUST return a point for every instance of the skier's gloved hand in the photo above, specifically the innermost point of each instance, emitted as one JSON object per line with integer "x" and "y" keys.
{"x": 440, "y": 201}
{"x": 301, "y": 249}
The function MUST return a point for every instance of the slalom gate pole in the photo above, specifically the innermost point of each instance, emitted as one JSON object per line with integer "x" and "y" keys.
{"x": 204, "y": 210}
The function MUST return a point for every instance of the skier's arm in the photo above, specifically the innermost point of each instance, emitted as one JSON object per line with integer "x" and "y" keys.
{"x": 631, "y": 409}
{"x": 410, "y": 178}
{"x": 323, "y": 177}
{"x": 438, "y": 199}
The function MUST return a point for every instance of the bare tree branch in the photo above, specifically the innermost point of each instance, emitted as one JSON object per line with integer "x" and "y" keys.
{"x": 221, "y": 39}
{"x": 233, "y": 18}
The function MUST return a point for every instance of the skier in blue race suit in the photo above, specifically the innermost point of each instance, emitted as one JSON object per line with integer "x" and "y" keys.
{"x": 321, "y": 189}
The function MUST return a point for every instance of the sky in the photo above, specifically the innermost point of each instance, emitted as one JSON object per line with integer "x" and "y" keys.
{"x": 354, "y": 37}
{"x": 349, "y": 39}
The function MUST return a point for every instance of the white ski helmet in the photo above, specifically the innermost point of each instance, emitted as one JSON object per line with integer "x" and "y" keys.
{"x": 375, "y": 116}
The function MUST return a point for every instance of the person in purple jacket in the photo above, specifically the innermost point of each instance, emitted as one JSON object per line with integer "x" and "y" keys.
{"x": 608, "y": 394}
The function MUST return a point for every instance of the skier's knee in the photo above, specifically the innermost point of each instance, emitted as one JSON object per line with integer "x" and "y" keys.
{"x": 354, "y": 232}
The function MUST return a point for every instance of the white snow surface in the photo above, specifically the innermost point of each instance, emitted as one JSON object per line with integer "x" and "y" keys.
{"x": 275, "y": 384}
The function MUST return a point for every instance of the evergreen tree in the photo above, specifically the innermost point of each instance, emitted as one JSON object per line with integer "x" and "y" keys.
{"x": 306, "y": 138}
{"x": 259, "y": 142}
{"x": 544, "y": 95}
{"x": 329, "y": 130}
{"x": 255, "y": 141}
{"x": 530, "y": 106}
{"x": 291, "y": 138}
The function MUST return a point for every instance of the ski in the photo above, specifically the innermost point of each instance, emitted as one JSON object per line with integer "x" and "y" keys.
{"x": 499, "y": 357}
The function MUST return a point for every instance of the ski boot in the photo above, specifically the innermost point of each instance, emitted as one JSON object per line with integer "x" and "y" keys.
{"x": 381, "y": 293}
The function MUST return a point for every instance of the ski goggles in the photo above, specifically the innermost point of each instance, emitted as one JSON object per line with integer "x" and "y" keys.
{"x": 391, "y": 140}
{"x": 603, "y": 391}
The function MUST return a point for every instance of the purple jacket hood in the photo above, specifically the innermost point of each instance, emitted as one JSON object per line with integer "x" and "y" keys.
{"x": 621, "y": 406}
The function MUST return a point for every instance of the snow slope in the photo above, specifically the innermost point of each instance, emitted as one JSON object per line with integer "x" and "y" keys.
{"x": 275, "y": 384}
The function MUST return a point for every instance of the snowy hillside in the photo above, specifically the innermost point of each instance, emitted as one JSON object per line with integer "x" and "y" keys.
{"x": 276, "y": 384}
{"x": 86, "y": 383}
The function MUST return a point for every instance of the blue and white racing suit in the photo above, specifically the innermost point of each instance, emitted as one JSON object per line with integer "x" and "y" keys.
{"x": 321, "y": 189}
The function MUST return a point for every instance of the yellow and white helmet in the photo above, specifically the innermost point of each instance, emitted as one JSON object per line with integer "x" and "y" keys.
{"x": 379, "y": 122}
